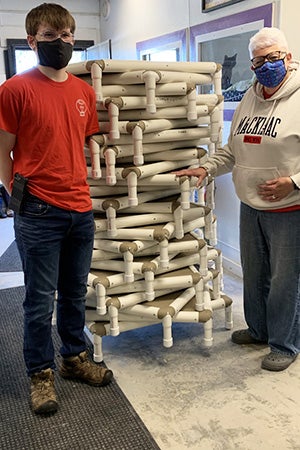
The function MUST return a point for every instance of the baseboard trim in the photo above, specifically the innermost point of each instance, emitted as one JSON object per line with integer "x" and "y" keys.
{"x": 232, "y": 267}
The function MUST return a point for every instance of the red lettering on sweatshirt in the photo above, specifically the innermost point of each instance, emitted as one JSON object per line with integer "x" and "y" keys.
{"x": 252, "y": 139}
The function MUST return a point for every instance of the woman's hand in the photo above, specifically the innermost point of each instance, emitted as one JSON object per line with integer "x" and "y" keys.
{"x": 200, "y": 172}
{"x": 276, "y": 189}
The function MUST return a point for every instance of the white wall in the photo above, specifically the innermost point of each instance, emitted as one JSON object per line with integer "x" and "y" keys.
{"x": 13, "y": 13}
{"x": 289, "y": 23}
{"x": 131, "y": 21}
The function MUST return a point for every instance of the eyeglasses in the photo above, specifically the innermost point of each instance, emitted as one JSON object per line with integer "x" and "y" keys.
{"x": 258, "y": 61}
{"x": 66, "y": 36}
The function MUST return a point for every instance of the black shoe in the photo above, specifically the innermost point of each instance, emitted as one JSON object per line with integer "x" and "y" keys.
{"x": 277, "y": 361}
{"x": 244, "y": 337}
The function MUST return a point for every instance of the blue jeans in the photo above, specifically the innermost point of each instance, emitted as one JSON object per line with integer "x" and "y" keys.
{"x": 270, "y": 255}
{"x": 55, "y": 246}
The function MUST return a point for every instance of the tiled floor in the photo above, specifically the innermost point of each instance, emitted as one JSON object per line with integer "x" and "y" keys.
{"x": 191, "y": 397}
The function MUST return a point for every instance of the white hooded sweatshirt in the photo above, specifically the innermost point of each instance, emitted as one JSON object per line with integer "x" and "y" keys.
{"x": 264, "y": 143}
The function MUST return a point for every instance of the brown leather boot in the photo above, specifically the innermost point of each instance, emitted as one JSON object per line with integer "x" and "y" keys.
{"x": 43, "y": 397}
{"x": 80, "y": 367}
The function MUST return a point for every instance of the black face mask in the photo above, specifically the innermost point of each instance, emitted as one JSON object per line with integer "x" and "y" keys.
{"x": 55, "y": 54}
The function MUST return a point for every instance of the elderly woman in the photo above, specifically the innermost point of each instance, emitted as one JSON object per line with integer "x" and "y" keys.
{"x": 263, "y": 153}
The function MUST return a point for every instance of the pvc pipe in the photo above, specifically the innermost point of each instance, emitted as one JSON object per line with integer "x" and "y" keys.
{"x": 164, "y": 282}
{"x": 116, "y": 246}
{"x": 180, "y": 134}
{"x": 149, "y": 290}
{"x": 138, "y": 233}
{"x": 80, "y": 67}
{"x": 153, "y": 76}
{"x": 183, "y": 246}
{"x": 191, "y": 225}
{"x": 123, "y": 151}
{"x": 128, "y": 319}
{"x": 215, "y": 128}
{"x": 128, "y": 275}
{"x": 167, "y": 331}
{"x": 216, "y": 286}
{"x": 210, "y": 195}
{"x": 164, "y": 257}
{"x": 191, "y": 107}
{"x": 179, "y": 88}
{"x": 131, "y": 302}
{"x": 96, "y": 74}
{"x": 149, "y": 170}
{"x": 132, "y": 188}
{"x": 154, "y": 125}
{"x": 208, "y": 337}
{"x": 213, "y": 240}
{"x": 150, "y": 78}
{"x": 111, "y": 221}
{"x": 176, "y": 155}
{"x": 203, "y": 254}
{"x": 217, "y": 81}
{"x": 185, "y": 193}
{"x": 137, "y": 220}
{"x": 110, "y": 163}
{"x": 110, "y": 65}
{"x": 202, "y": 299}
{"x": 113, "y": 114}
{"x": 101, "y": 299}
{"x": 132, "y": 103}
{"x": 141, "y": 277}
{"x": 164, "y": 112}
{"x": 151, "y": 207}
{"x": 97, "y": 348}
{"x": 181, "y": 300}
{"x": 137, "y": 136}
{"x": 144, "y": 202}
{"x": 178, "y": 219}
{"x": 114, "y": 324}
{"x": 95, "y": 158}
{"x": 228, "y": 318}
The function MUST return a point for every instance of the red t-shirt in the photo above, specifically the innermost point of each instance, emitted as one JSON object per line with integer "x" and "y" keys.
{"x": 51, "y": 121}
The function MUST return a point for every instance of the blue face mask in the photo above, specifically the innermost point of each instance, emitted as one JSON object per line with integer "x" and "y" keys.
{"x": 271, "y": 74}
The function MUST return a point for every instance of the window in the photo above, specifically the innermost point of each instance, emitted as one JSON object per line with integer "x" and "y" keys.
{"x": 20, "y": 57}
{"x": 226, "y": 42}
{"x": 102, "y": 50}
{"x": 169, "y": 47}
{"x": 162, "y": 55}
{"x": 231, "y": 50}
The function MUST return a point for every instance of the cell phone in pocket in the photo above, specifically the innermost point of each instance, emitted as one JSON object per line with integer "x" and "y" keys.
{"x": 18, "y": 193}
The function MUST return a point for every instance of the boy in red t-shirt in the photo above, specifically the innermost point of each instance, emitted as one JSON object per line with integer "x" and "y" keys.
{"x": 45, "y": 116}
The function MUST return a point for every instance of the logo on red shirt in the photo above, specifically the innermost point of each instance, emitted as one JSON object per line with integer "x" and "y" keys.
{"x": 81, "y": 107}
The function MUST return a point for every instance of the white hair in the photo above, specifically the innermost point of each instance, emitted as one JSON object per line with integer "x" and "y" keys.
{"x": 267, "y": 37}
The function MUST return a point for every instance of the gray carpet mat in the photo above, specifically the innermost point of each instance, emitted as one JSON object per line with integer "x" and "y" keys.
{"x": 10, "y": 261}
{"x": 88, "y": 418}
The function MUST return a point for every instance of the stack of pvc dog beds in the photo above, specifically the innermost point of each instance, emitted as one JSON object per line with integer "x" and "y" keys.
{"x": 154, "y": 257}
